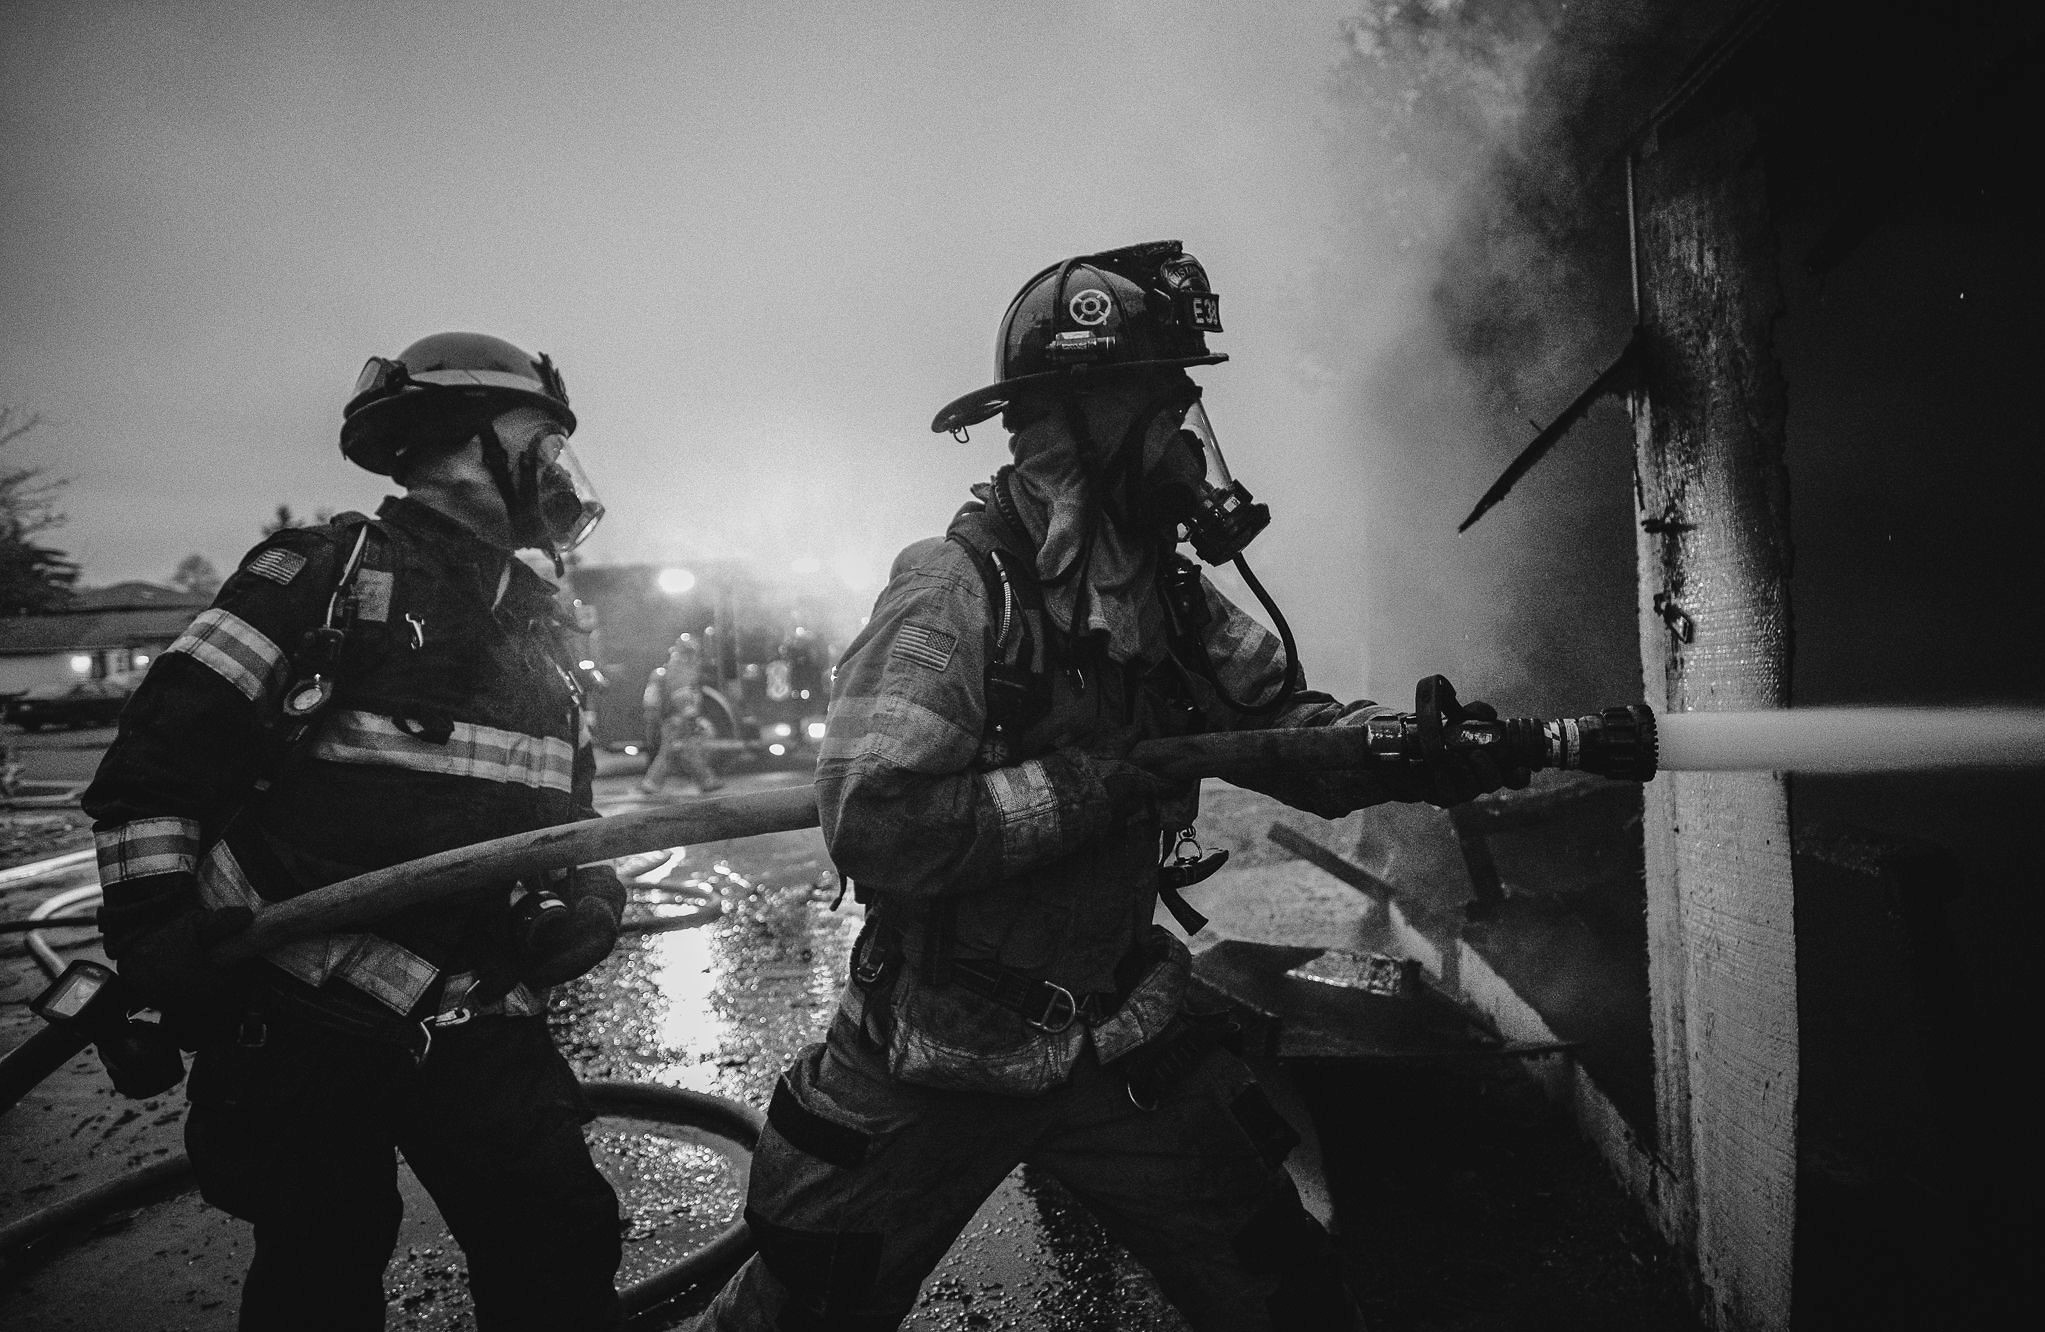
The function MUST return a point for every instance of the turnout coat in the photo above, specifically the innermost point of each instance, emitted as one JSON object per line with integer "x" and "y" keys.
{"x": 1004, "y": 847}
{"x": 454, "y": 719}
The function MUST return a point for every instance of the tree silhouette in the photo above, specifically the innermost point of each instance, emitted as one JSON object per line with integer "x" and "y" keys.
{"x": 195, "y": 574}
{"x": 33, "y": 577}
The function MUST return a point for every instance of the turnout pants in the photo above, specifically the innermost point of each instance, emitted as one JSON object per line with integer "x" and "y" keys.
{"x": 299, "y": 1136}
{"x": 861, "y": 1183}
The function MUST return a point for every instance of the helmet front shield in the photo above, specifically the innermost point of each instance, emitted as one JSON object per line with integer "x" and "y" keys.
{"x": 568, "y": 506}
{"x": 1217, "y": 512}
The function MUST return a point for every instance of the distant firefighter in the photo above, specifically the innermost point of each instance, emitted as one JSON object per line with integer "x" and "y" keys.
{"x": 673, "y": 703}
{"x": 363, "y": 693}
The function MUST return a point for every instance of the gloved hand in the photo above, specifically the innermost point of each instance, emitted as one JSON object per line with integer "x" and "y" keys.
{"x": 166, "y": 966}
{"x": 596, "y": 904}
{"x": 1334, "y": 792}
{"x": 1448, "y": 775}
{"x": 1133, "y": 792}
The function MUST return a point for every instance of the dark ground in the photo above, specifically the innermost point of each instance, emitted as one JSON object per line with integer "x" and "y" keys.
{"x": 1468, "y": 1201}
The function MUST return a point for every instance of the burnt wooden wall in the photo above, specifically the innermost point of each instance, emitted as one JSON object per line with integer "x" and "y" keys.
{"x": 1714, "y": 612}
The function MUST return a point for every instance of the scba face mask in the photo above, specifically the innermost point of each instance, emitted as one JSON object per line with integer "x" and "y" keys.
{"x": 1187, "y": 483}
{"x": 554, "y": 505}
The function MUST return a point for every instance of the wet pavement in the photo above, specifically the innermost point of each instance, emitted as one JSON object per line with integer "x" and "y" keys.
{"x": 721, "y": 1007}
{"x": 724, "y": 1007}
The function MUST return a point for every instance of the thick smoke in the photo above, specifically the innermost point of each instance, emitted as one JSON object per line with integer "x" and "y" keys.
{"x": 1505, "y": 122}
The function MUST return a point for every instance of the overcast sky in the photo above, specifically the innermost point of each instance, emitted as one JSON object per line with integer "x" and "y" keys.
{"x": 764, "y": 241}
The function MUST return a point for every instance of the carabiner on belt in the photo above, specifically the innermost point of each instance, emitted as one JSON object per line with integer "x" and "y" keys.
{"x": 453, "y": 1017}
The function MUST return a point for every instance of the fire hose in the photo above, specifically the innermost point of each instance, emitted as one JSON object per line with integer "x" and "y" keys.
{"x": 644, "y": 1102}
{"x": 74, "y": 1024}
{"x": 1618, "y": 742}
{"x": 85, "y": 1004}
{"x": 1627, "y": 743}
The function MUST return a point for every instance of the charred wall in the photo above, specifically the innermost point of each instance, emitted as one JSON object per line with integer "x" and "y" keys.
{"x": 1899, "y": 139}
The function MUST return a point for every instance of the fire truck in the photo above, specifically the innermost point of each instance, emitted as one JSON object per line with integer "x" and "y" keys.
{"x": 765, "y": 647}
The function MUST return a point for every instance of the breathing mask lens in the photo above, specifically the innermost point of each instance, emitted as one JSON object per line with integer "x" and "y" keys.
{"x": 564, "y": 501}
{"x": 1219, "y": 516}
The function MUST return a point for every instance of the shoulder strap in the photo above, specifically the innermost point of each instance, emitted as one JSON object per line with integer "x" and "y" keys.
{"x": 1018, "y": 643}
{"x": 314, "y": 664}
{"x": 362, "y": 592}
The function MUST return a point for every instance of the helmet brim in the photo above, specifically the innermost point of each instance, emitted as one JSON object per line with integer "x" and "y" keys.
{"x": 980, "y": 404}
{"x": 369, "y": 435}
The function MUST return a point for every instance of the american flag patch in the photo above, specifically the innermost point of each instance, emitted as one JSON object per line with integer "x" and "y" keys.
{"x": 923, "y": 646}
{"x": 279, "y": 566}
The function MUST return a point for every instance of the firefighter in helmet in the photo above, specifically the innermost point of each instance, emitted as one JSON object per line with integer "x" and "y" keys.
{"x": 1011, "y": 999}
{"x": 364, "y": 693}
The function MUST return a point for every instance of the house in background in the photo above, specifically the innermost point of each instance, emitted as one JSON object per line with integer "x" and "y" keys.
{"x": 101, "y": 632}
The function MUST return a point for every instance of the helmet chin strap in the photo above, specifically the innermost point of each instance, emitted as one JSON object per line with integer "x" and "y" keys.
{"x": 521, "y": 503}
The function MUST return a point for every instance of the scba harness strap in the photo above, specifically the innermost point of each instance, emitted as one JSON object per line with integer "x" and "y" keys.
{"x": 362, "y": 592}
{"x": 1019, "y": 640}
{"x": 351, "y": 635}
{"x": 1024, "y": 649}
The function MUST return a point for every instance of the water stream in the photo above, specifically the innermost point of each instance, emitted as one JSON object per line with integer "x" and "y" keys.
{"x": 1852, "y": 739}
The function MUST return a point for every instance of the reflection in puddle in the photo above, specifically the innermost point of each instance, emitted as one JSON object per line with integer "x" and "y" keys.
{"x": 677, "y": 1188}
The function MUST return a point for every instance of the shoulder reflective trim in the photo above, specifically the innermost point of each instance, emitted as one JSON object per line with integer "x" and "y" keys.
{"x": 482, "y": 752}
{"x": 233, "y": 649}
{"x": 390, "y": 973}
{"x": 1029, "y": 812}
{"x": 147, "y": 846}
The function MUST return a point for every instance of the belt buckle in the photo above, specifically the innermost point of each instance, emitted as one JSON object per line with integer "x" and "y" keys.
{"x": 1060, "y": 996}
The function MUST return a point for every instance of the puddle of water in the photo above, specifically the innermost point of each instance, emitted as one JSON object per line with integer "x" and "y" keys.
{"x": 677, "y": 1189}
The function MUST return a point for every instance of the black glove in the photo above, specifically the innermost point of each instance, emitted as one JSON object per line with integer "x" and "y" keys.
{"x": 167, "y": 968}
{"x": 1133, "y": 792}
{"x": 1450, "y": 775}
{"x": 596, "y": 903}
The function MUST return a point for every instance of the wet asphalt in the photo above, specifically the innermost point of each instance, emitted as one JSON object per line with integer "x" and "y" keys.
{"x": 720, "y": 1006}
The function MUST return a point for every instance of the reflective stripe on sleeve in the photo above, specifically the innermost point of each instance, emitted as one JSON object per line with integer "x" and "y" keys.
{"x": 146, "y": 846}
{"x": 484, "y": 752}
{"x": 1029, "y": 812}
{"x": 233, "y": 649}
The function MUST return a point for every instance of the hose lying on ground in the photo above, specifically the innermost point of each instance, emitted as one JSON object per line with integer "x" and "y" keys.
{"x": 721, "y": 1255}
